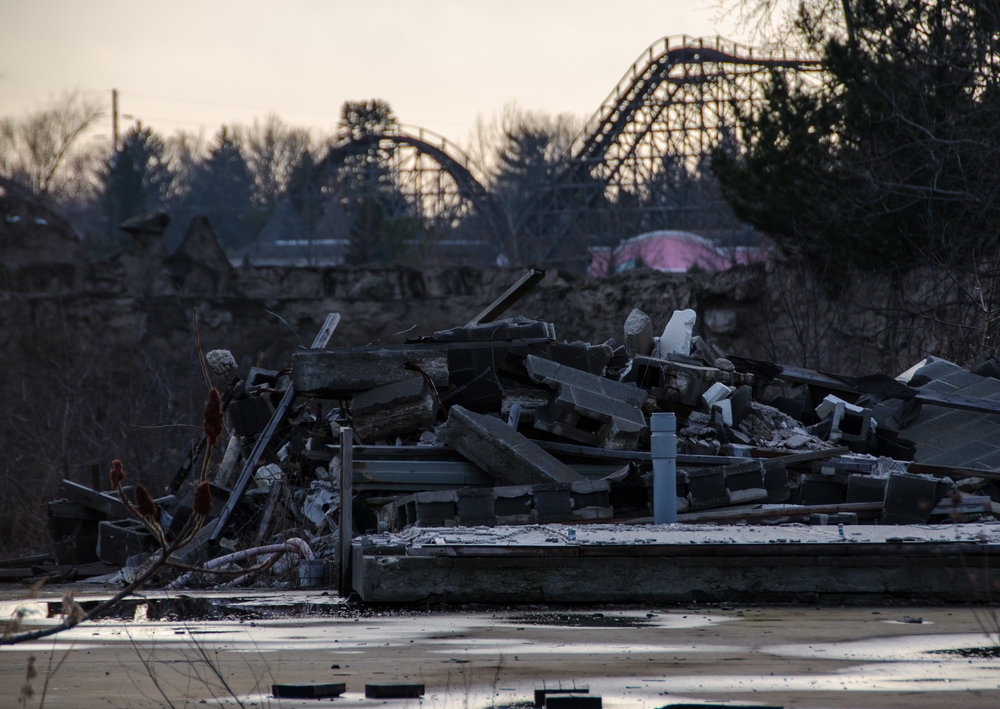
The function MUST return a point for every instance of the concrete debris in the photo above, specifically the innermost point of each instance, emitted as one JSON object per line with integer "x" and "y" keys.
{"x": 638, "y": 334}
{"x": 508, "y": 456}
{"x": 676, "y": 337}
{"x": 394, "y": 409}
{"x": 497, "y": 423}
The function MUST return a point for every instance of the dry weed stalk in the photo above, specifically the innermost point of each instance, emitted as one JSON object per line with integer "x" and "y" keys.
{"x": 144, "y": 509}
{"x": 28, "y": 689}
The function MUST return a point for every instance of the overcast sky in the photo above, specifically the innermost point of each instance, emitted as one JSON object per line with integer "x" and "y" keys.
{"x": 196, "y": 64}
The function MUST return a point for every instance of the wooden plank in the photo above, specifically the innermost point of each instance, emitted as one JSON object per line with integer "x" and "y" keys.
{"x": 320, "y": 341}
{"x": 346, "y": 511}
{"x": 804, "y": 457}
{"x": 952, "y": 471}
{"x": 273, "y": 495}
{"x": 508, "y": 297}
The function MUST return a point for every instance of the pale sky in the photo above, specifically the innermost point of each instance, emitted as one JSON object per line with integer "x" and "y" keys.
{"x": 196, "y": 64}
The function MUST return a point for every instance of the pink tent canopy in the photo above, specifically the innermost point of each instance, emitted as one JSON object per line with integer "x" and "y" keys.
{"x": 671, "y": 251}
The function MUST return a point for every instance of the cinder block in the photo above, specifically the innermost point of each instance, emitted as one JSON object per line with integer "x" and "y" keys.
{"x": 716, "y": 392}
{"x": 591, "y": 493}
{"x": 588, "y": 408}
{"x": 500, "y": 450}
{"x": 476, "y": 506}
{"x": 707, "y": 488}
{"x": 120, "y": 539}
{"x": 866, "y": 488}
{"x": 909, "y": 499}
{"x": 592, "y": 513}
{"x": 580, "y": 355}
{"x": 512, "y": 504}
{"x": 744, "y": 476}
{"x": 552, "y": 503}
{"x": 820, "y": 489}
{"x": 436, "y": 508}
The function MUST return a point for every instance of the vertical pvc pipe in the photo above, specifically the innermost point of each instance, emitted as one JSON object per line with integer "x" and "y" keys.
{"x": 663, "y": 446}
{"x": 346, "y": 510}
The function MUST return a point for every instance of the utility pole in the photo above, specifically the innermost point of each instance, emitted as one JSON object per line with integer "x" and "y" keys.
{"x": 114, "y": 119}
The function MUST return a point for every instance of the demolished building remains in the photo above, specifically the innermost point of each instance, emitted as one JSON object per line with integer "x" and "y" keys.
{"x": 421, "y": 453}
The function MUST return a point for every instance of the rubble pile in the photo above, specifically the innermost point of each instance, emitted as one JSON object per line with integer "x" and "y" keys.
{"x": 498, "y": 422}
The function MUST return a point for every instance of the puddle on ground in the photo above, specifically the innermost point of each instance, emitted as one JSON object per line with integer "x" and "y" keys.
{"x": 953, "y": 675}
{"x": 884, "y": 649}
{"x": 582, "y": 620}
{"x": 613, "y": 619}
{"x": 513, "y": 647}
{"x": 276, "y": 623}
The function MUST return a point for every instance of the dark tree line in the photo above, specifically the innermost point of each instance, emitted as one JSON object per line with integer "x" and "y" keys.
{"x": 890, "y": 161}
{"x": 270, "y": 181}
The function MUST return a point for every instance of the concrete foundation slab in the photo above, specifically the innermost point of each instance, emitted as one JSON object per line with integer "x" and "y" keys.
{"x": 669, "y": 563}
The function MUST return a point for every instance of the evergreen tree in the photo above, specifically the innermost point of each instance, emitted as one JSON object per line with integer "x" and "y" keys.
{"x": 304, "y": 189}
{"x": 891, "y": 160}
{"x": 134, "y": 180}
{"x": 383, "y": 226}
{"x": 221, "y": 189}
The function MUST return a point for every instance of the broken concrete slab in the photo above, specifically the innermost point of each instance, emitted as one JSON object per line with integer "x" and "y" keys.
{"x": 500, "y": 450}
{"x": 335, "y": 372}
{"x": 106, "y": 503}
{"x": 392, "y": 410}
{"x": 638, "y": 334}
{"x": 588, "y": 408}
{"x": 676, "y": 337}
{"x": 516, "y": 328}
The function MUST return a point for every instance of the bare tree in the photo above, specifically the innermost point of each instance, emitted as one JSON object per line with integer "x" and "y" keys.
{"x": 38, "y": 149}
{"x": 522, "y": 152}
{"x": 272, "y": 149}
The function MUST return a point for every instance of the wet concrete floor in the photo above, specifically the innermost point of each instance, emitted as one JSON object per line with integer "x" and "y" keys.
{"x": 204, "y": 649}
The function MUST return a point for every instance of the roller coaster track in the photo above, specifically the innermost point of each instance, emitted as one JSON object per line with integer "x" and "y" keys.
{"x": 677, "y": 102}
{"x": 420, "y": 159}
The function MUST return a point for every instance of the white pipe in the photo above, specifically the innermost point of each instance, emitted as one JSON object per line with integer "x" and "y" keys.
{"x": 293, "y": 544}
